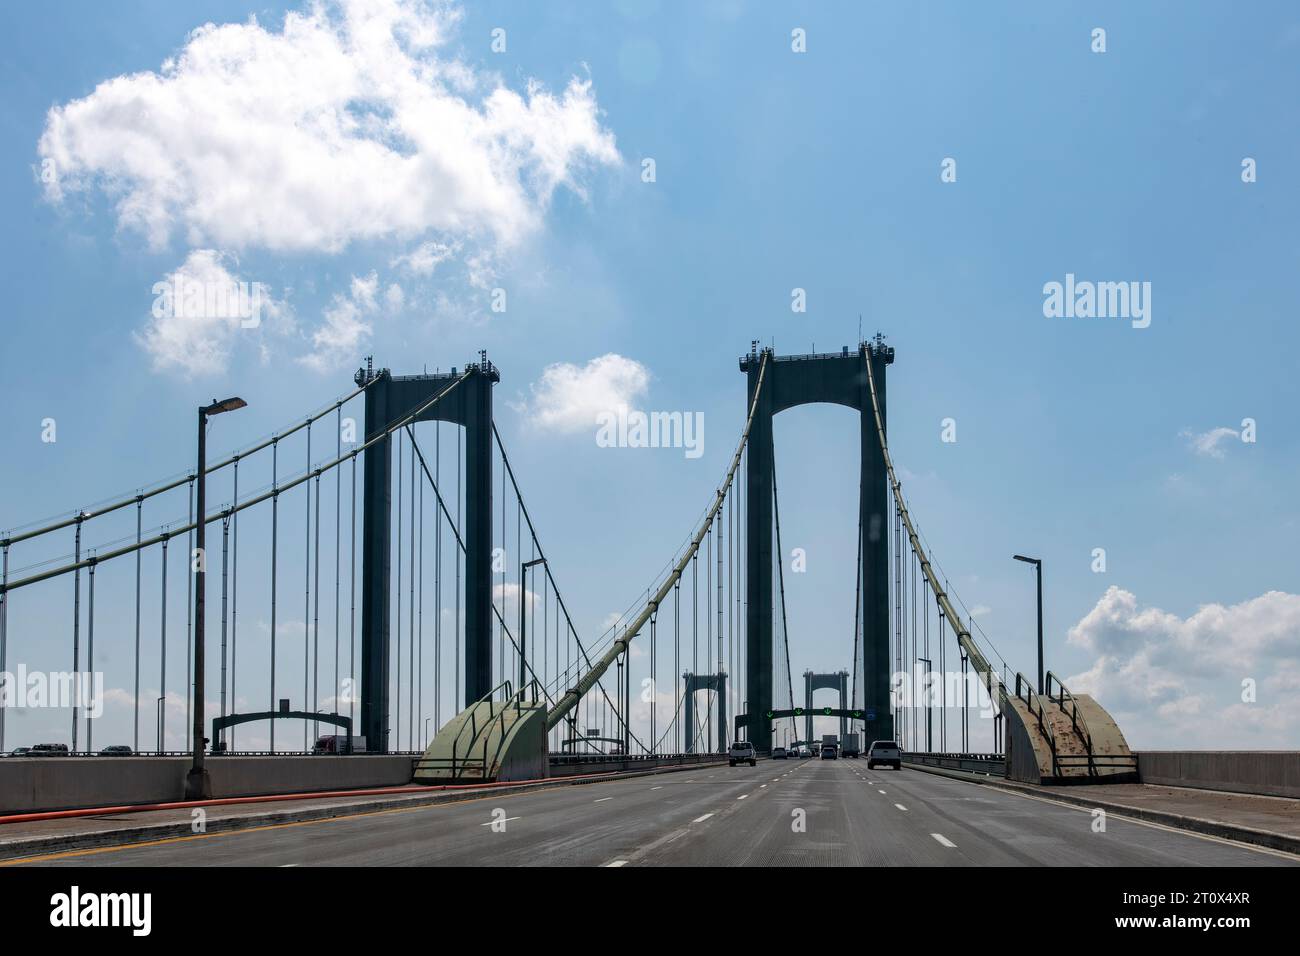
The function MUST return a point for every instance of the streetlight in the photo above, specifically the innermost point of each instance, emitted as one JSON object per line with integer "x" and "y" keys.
{"x": 929, "y": 704}
{"x": 1038, "y": 568}
{"x": 426, "y": 733}
{"x": 523, "y": 621}
{"x": 198, "y": 786}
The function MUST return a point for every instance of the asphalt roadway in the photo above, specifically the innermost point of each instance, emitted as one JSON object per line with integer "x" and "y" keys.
{"x": 780, "y": 813}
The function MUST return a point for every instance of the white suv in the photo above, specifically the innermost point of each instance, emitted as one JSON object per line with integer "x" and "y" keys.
{"x": 742, "y": 751}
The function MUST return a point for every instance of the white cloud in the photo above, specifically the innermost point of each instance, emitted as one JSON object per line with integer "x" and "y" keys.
{"x": 344, "y": 125}
{"x": 394, "y": 297}
{"x": 1179, "y": 680}
{"x": 339, "y": 340}
{"x": 199, "y": 312}
{"x": 568, "y": 397}
{"x": 424, "y": 258}
{"x": 1207, "y": 443}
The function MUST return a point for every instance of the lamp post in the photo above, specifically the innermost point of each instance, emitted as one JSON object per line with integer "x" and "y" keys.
{"x": 523, "y": 620}
{"x": 929, "y": 705}
{"x": 1038, "y": 568}
{"x": 198, "y": 786}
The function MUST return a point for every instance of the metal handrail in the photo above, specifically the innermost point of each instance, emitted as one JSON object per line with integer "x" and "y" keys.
{"x": 473, "y": 724}
{"x": 1044, "y": 726}
{"x": 1076, "y": 719}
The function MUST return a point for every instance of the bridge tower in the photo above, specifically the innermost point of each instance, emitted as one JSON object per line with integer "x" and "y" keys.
{"x": 815, "y": 682}
{"x": 696, "y": 682}
{"x": 838, "y": 378}
{"x": 389, "y": 399}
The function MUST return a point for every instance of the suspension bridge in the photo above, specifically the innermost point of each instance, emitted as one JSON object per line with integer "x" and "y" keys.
{"x": 308, "y": 611}
{"x": 332, "y": 538}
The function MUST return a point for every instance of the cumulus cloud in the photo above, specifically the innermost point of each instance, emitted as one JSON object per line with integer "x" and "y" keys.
{"x": 1207, "y": 443}
{"x": 346, "y": 124}
{"x": 568, "y": 397}
{"x": 1162, "y": 674}
{"x": 200, "y": 311}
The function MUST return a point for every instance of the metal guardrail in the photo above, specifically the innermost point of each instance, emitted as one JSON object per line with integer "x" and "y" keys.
{"x": 993, "y": 765}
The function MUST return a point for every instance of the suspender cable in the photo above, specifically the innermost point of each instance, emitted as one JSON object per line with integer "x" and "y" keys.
{"x": 162, "y": 662}
{"x": 76, "y": 630}
{"x": 90, "y": 658}
{"x": 139, "y": 527}
{"x": 275, "y": 542}
{"x": 306, "y": 600}
{"x": 352, "y": 606}
{"x": 234, "y": 603}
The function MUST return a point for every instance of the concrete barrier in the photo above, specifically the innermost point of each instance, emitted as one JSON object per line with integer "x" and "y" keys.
{"x": 31, "y": 784}
{"x": 1273, "y": 773}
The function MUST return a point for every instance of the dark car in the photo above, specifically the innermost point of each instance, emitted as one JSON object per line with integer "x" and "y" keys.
{"x": 49, "y": 750}
{"x": 116, "y": 750}
{"x": 19, "y": 752}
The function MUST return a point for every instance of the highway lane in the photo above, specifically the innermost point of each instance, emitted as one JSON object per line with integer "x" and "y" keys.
{"x": 780, "y": 813}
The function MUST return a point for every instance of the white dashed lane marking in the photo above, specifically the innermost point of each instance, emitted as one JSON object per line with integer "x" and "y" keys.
{"x": 943, "y": 839}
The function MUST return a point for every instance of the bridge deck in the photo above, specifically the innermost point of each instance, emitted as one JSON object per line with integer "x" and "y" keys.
{"x": 708, "y": 816}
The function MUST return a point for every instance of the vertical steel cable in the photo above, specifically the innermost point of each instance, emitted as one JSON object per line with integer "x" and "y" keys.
{"x": 90, "y": 657}
{"x": 410, "y": 614}
{"x": 234, "y": 602}
{"x": 306, "y": 601}
{"x": 225, "y": 606}
{"x": 395, "y": 721}
{"x": 315, "y": 640}
{"x": 419, "y": 684}
{"x": 139, "y": 518}
{"x": 76, "y": 628}
{"x": 352, "y": 608}
{"x": 4, "y": 641}
{"x": 338, "y": 548}
{"x": 162, "y": 662}
{"x": 275, "y": 529}
{"x": 459, "y": 686}
{"x": 437, "y": 588}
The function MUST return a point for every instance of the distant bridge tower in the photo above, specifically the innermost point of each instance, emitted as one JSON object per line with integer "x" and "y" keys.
{"x": 696, "y": 682}
{"x": 389, "y": 400}
{"x": 838, "y": 378}
{"x": 815, "y": 682}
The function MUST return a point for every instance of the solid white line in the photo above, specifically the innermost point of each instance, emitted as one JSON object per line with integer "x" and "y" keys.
{"x": 944, "y": 840}
{"x": 506, "y": 820}
{"x": 603, "y": 799}
{"x": 702, "y": 819}
{"x": 901, "y": 807}
{"x": 616, "y": 863}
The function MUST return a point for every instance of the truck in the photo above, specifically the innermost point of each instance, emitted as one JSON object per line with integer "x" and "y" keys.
{"x": 852, "y": 747}
{"x": 830, "y": 747}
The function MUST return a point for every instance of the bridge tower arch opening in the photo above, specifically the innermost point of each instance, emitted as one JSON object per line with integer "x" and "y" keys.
{"x": 706, "y": 682}
{"x": 838, "y": 378}
{"x": 390, "y": 399}
{"x": 838, "y": 681}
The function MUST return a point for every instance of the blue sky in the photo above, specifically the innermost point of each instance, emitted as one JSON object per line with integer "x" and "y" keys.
{"x": 774, "y": 170}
